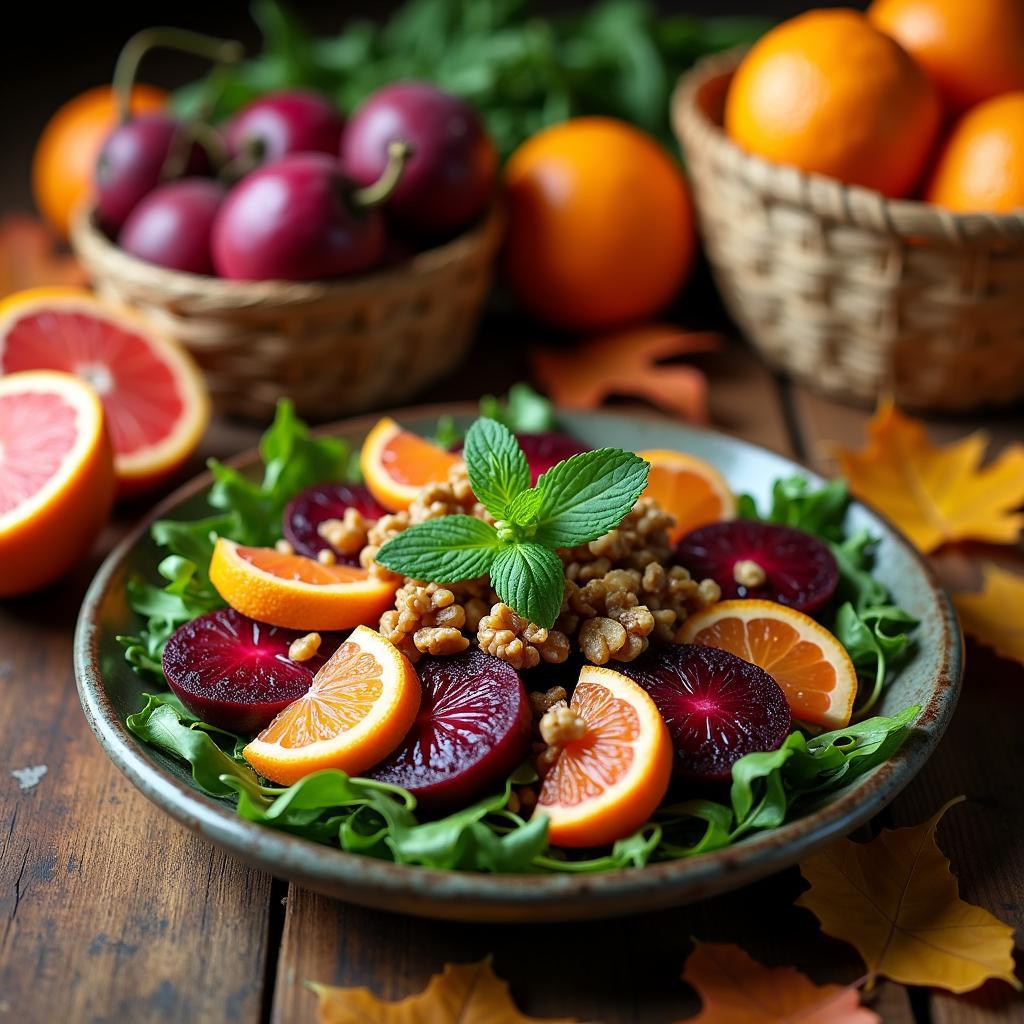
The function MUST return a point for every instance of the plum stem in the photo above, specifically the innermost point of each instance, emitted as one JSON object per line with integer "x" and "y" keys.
{"x": 222, "y": 51}
{"x": 399, "y": 152}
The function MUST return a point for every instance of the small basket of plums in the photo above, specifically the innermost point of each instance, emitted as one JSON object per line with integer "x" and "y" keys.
{"x": 340, "y": 261}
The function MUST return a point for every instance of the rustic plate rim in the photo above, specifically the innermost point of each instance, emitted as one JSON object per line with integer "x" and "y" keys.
{"x": 464, "y": 895}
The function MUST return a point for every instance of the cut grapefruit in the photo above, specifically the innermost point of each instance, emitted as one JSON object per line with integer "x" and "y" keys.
{"x": 294, "y": 591}
{"x": 805, "y": 659}
{"x": 606, "y": 782}
{"x": 154, "y": 397}
{"x": 360, "y": 706}
{"x": 688, "y": 488}
{"x": 397, "y": 464}
{"x": 56, "y": 477}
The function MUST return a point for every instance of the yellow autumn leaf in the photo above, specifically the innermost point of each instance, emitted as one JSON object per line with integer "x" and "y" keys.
{"x": 463, "y": 994}
{"x": 936, "y": 493}
{"x": 738, "y": 990}
{"x": 895, "y": 900}
{"x": 995, "y": 615}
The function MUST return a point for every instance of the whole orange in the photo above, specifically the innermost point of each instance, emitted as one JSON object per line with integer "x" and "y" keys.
{"x": 65, "y": 156}
{"x": 973, "y": 49}
{"x": 600, "y": 224}
{"x": 829, "y": 93}
{"x": 981, "y": 165}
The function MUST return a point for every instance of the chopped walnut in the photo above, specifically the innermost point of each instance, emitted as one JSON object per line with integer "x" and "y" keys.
{"x": 453, "y": 497}
{"x": 325, "y": 556}
{"x": 748, "y": 573}
{"x": 284, "y": 547}
{"x": 439, "y": 640}
{"x": 544, "y": 702}
{"x": 383, "y": 530}
{"x": 561, "y": 725}
{"x": 347, "y": 535}
{"x": 506, "y": 635}
{"x": 419, "y": 607}
{"x": 641, "y": 538}
{"x": 304, "y": 647}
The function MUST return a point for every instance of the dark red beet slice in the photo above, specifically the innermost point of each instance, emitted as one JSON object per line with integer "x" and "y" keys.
{"x": 472, "y": 731}
{"x": 717, "y": 707}
{"x": 799, "y": 569}
{"x": 234, "y": 672}
{"x": 315, "y": 505}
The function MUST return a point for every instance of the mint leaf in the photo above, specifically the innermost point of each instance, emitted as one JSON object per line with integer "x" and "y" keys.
{"x": 497, "y": 467}
{"x": 524, "y": 507}
{"x": 587, "y": 495}
{"x": 444, "y": 550}
{"x": 530, "y": 579}
{"x": 523, "y": 411}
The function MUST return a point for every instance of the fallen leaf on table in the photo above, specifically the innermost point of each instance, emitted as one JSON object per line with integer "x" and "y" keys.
{"x": 936, "y": 493}
{"x": 738, "y": 990}
{"x": 895, "y": 900}
{"x": 995, "y": 614}
{"x": 463, "y": 994}
{"x": 628, "y": 363}
{"x": 29, "y": 257}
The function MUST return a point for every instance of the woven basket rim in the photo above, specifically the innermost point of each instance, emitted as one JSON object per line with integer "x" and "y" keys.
{"x": 91, "y": 244}
{"x": 847, "y": 204}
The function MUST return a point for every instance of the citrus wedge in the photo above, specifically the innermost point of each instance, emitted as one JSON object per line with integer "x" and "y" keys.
{"x": 155, "y": 400}
{"x": 805, "y": 659}
{"x": 295, "y": 591}
{"x": 606, "y": 784}
{"x": 688, "y": 488}
{"x": 397, "y": 464}
{"x": 56, "y": 477}
{"x": 360, "y": 706}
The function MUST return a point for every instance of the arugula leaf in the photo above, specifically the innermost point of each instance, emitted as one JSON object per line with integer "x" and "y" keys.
{"x": 444, "y": 550}
{"x": 586, "y": 495}
{"x": 530, "y": 579}
{"x": 498, "y": 470}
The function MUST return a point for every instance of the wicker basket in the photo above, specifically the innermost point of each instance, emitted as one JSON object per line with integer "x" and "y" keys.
{"x": 854, "y": 293}
{"x": 334, "y": 347}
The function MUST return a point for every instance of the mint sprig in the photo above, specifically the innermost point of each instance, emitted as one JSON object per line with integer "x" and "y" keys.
{"x": 576, "y": 501}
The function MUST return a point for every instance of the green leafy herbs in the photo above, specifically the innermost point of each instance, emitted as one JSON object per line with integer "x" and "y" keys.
{"x": 576, "y": 501}
{"x": 520, "y": 69}
{"x": 523, "y": 411}
{"x": 249, "y": 512}
{"x": 378, "y": 820}
{"x": 873, "y": 629}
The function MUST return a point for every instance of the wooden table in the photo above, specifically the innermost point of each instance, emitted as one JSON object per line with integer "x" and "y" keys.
{"x": 111, "y": 911}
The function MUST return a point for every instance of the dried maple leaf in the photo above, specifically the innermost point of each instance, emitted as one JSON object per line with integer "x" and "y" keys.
{"x": 895, "y": 900}
{"x": 29, "y": 257}
{"x": 628, "y": 363}
{"x": 994, "y": 614}
{"x": 738, "y": 990}
{"x": 936, "y": 493}
{"x": 463, "y": 994}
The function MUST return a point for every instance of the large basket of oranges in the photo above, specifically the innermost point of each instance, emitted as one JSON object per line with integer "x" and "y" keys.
{"x": 842, "y": 285}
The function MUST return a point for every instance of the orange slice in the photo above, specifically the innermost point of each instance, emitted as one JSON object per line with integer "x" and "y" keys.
{"x": 360, "y": 706}
{"x": 606, "y": 784}
{"x": 56, "y": 477}
{"x": 397, "y": 464}
{"x": 155, "y": 400}
{"x": 805, "y": 659}
{"x": 295, "y": 591}
{"x": 688, "y": 488}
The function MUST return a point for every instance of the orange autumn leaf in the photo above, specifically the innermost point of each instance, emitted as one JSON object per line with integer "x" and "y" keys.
{"x": 895, "y": 900}
{"x": 738, "y": 990}
{"x": 463, "y": 994}
{"x": 995, "y": 615}
{"x": 936, "y": 493}
{"x": 29, "y": 257}
{"x": 628, "y": 363}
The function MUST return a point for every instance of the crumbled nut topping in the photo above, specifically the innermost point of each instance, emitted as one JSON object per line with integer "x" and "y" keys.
{"x": 561, "y": 725}
{"x": 348, "y": 534}
{"x": 544, "y": 702}
{"x": 440, "y": 640}
{"x": 748, "y": 573}
{"x": 506, "y": 635}
{"x": 284, "y": 547}
{"x": 304, "y": 647}
{"x": 325, "y": 556}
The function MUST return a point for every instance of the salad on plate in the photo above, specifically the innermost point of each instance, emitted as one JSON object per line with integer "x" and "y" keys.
{"x": 506, "y": 652}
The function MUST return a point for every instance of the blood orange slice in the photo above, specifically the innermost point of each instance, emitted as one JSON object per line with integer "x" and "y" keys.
{"x": 358, "y": 709}
{"x": 805, "y": 659}
{"x": 688, "y": 488}
{"x": 154, "y": 397}
{"x": 397, "y": 464}
{"x": 56, "y": 477}
{"x": 608, "y": 779}
{"x": 294, "y": 591}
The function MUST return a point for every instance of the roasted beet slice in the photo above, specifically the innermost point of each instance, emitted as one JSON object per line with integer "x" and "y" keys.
{"x": 315, "y": 505}
{"x": 472, "y": 731}
{"x": 543, "y": 451}
{"x": 234, "y": 672}
{"x": 717, "y": 707}
{"x": 751, "y": 559}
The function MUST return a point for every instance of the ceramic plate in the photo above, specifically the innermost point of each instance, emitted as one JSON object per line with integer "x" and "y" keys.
{"x": 110, "y": 691}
